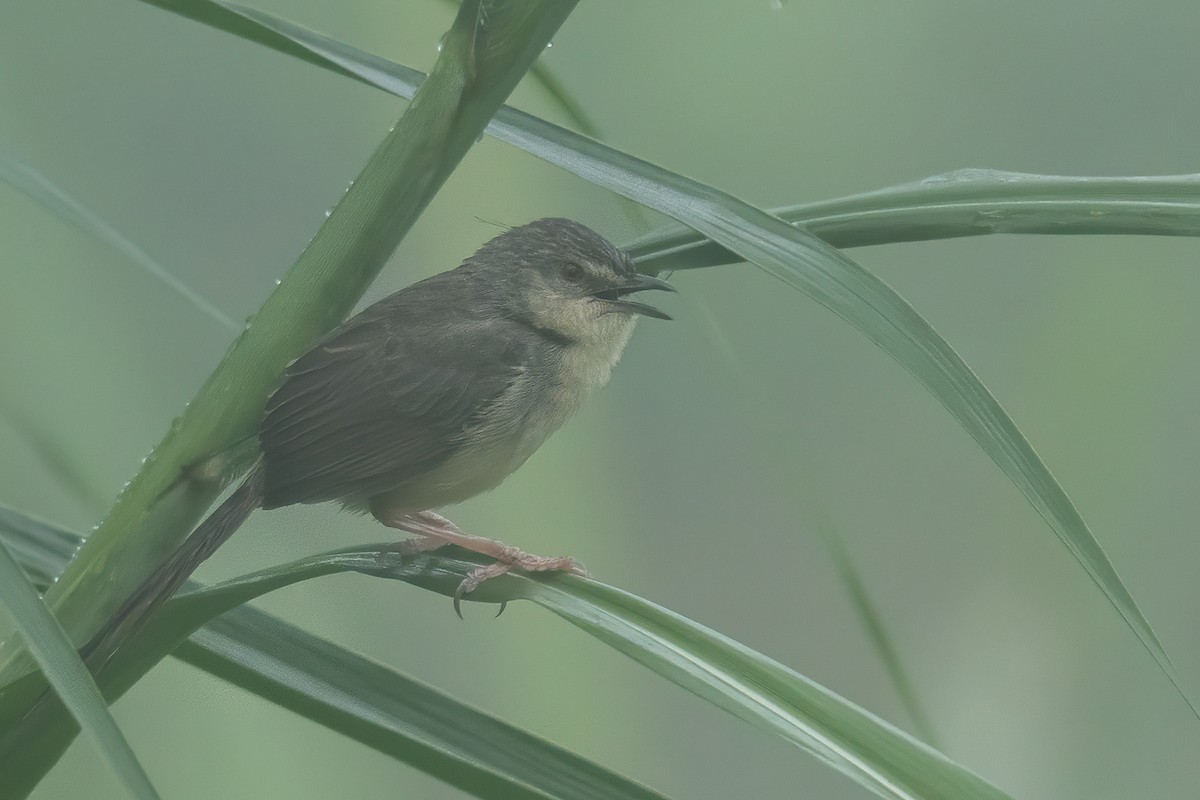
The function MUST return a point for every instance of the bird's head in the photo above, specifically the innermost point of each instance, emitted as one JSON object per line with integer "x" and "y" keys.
{"x": 566, "y": 279}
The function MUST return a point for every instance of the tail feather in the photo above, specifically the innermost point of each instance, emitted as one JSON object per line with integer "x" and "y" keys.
{"x": 166, "y": 580}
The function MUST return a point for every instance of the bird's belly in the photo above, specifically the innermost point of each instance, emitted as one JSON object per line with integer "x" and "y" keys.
{"x": 511, "y": 430}
{"x": 494, "y": 450}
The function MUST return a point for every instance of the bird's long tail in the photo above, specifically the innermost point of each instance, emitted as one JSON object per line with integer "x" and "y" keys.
{"x": 166, "y": 580}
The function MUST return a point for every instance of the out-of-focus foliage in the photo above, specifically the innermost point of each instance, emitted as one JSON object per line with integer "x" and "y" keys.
{"x": 205, "y": 152}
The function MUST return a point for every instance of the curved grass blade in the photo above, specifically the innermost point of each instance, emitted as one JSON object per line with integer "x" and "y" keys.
{"x": 41, "y": 190}
{"x": 344, "y": 691}
{"x": 50, "y": 647}
{"x": 805, "y": 262}
{"x": 727, "y": 674}
{"x": 743, "y": 682}
{"x": 966, "y": 202}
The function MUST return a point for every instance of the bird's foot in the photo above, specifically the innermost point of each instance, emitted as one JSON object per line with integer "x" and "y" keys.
{"x": 509, "y": 558}
{"x": 434, "y": 530}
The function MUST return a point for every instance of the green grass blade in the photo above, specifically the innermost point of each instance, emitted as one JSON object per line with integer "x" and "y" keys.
{"x": 52, "y": 649}
{"x": 966, "y": 202}
{"x": 41, "y": 548}
{"x": 731, "y": 676}
{"x": 872, "y": 622}
{"x": 56, "y": 455}
{"x": 727, "y": 674}
{"x": 565, "y": 100}
{"x": 396, "y": 715}
{"x": 38, "y": 188}
{"x": 474, "y": 73}
{"x": 559, "y": 93}
{"x": 805, "y": 262}
{"x": 344, "y": 691}
{"x": 786, "y": 479}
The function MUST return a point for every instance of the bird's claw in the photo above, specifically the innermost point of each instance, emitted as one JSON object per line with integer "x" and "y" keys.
{"x": 518, "y": 559}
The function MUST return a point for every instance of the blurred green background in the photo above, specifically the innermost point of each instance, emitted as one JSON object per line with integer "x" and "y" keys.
{"x": 699, "y": 477}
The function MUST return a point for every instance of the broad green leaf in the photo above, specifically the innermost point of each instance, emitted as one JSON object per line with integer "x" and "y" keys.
{"x": 369, "y": 702}
{"x": 966, "y": 202}
{"x": 41, "y": 190}
{"x": 52, "y": 649}
{"x": 794, "y": 256}
{"x": 729, "y": 675}
{"x": 478, "y": 66}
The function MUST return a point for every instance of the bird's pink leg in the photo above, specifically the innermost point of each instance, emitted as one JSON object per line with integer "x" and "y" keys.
{"x": 435, "y": 531}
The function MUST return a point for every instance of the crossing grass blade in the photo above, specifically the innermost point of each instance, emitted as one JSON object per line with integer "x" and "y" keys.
{"x": 344, "y": 691}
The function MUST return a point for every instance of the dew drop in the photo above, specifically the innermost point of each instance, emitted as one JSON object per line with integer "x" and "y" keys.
{"x": 328, "y": 211}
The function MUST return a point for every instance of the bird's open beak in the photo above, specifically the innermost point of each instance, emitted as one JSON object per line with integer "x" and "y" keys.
{"x": 614, "y": 297}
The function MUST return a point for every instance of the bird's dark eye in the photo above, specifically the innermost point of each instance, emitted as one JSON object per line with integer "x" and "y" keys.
{"x": 573, "y": 273}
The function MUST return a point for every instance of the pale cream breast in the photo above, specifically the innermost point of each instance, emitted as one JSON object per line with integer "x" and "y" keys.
{"x": 518, "y": 422}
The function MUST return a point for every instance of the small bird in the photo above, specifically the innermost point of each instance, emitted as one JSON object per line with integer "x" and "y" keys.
{"x": 438, "y": 393}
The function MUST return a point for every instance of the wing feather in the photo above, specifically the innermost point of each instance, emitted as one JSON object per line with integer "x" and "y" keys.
{"x": 382, "y": 398}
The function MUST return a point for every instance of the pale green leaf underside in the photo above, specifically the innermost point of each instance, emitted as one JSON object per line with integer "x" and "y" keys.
{"x": 349, "y": 693}
{"x": 789, "y": 253}
{"x": 53, "y": 651}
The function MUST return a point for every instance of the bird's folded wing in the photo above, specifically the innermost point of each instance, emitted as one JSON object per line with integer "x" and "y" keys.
{"x": 380, "y": 400}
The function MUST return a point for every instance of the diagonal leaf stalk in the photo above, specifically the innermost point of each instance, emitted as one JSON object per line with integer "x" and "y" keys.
{"x": 475, "y": 71}
{"x": 791, "y": 254}
{"x": 342, "y": 690}
{"x": 61, "y": 665}
{"x": 727, "y": 674}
